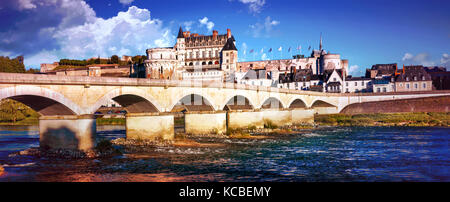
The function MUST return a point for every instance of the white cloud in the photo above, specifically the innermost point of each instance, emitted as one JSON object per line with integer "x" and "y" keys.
{"x": 188, "y": 25}
{"x": 130, "y": 32}
{"x": 205, "y": 21}
{"x": 264, "y": 29}
{"x": 445, "y": 60}
{"x": 43, "y": 57}
{"x": 126, "y": 2}
{"x": 26, "y": 4}
{"x": 63, "y": 33}
{"x": 355, "y": 70}
{"x": 255, "y": 6}
{"x": 419, "y": 59}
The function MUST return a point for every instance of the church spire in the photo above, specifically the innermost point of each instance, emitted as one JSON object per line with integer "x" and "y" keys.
{"x": 320, "y": 46}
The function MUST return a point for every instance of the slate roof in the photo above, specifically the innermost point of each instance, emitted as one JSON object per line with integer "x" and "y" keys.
{"x": 180, "y": 34}
{"x": 413, "y": 73}
{"x": 229, "y": 45}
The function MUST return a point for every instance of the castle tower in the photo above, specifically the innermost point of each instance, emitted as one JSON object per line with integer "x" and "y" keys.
{"x": 180, "y": 48}
{"x": 229, "y": 59}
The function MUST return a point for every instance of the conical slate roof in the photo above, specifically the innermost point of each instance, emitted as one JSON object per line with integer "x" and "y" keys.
{"x": 180, "y": 34}
{"x": 229, "y": 45}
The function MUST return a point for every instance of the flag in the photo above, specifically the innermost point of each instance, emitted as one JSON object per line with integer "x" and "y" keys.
{"x": 262, "y": 50}
{"x": 299, "y": 47}
{"x": 270, "y": 50}
{"x": 251, "y": 51}
{"x": 280, "y": 49}
{"x": 309, "y": 48}
{"x": 289, "y": 50}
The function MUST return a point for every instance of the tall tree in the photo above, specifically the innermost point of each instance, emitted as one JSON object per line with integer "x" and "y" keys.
{"x": 115, "y": 59}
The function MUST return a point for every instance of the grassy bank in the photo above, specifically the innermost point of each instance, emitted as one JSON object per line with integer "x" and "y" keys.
{"x": 387, "y": 119}
{"x": 110, "y": 121}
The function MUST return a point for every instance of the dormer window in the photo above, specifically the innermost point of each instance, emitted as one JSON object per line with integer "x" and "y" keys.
{"x": 415, "y": 78}
{"x": 407, "y": 78}
{"x": 423, "y": 78}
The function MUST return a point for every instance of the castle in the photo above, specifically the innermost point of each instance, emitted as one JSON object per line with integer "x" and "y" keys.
{"x": 194, "y": 57}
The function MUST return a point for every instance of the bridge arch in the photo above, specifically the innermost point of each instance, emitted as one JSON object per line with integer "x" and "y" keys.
{"x": 177, "y": 97}
{"x": 135, "y": 101}
{"x": 272, "y": 103}
{"x": 321, "y": 103}
{"x": 194, "y": 102}
{"x": 237, "y": 102}
{"x": 42, "y": 100}
{"x": 323, "y": 107}
{"x": 297, "y": 103}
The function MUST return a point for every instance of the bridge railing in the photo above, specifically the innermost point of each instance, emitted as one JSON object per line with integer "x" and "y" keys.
{"x": 45, "y": 79}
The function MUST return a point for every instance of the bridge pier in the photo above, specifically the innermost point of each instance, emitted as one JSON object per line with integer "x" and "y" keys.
{"x": 67, "y": 132}
{"x": 302, "y": 116}
{"x": 205, "y": 122}
{"x": 278, "y": 117}
{"x": 326, "y": 110}
{"x": 149, "y": 126}
{"x": 245, "y": 119}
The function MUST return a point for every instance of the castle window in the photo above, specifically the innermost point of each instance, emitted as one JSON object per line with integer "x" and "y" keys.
{"x": 356, "y": 83}
{"x": 424, "y": 85}
{"x": 415, "y": 86}
{"x": 407, "y": 85}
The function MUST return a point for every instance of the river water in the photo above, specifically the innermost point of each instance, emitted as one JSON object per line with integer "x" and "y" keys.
{"x": 325, "y": 154}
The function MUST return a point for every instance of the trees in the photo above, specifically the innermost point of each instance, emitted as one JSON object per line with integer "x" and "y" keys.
{"x": 115, "y": 59}
{"x": 11, "y": 65}
{"x": 12, "y": 111}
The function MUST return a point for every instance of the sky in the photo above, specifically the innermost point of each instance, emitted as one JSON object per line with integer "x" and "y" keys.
{"x": 362, "y": 31}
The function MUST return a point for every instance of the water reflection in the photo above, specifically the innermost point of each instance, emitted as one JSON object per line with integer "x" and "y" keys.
{"x": 328, "y": 154}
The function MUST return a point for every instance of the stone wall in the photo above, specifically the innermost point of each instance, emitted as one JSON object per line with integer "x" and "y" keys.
{"x": 432, "y": 104}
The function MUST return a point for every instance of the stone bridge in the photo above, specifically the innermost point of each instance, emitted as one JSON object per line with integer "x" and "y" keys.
{"x": 68, "y": 103}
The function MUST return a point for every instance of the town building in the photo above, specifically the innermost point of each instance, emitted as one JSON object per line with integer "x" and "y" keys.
{"x": 96, "y": 70}
{"x": 305, "y": 73}
{"x": 440, "y": 77}
{"x": 48, "y": 67}
{"x": 413, "y": 78}
{"x": 358, "y": 85}
{"x": 380, "y": 71}
{"x": 383, "y": 85}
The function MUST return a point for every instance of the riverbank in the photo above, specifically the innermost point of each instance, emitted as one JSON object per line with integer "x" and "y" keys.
{"x": 378, "y": 119}
{"x": 386, "y": 119}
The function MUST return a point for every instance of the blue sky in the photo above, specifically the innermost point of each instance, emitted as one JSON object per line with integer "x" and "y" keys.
{"x": 365, "y": 32}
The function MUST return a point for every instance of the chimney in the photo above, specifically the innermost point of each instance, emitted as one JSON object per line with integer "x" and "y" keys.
{"x": 215, "y": 33}
{"x": 228, "y": 33}
{"x": 187, "y": 34}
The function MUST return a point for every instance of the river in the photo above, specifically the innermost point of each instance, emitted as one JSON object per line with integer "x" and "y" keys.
{"x": 324, "y": 154}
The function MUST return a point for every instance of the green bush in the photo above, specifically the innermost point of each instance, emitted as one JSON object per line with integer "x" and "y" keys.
{"x": 269, "y": 124}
